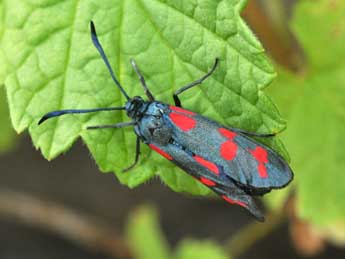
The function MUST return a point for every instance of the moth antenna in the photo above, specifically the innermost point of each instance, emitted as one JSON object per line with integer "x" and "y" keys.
{"x": 63, "y": 112}
{"x": 142, "y": 80}
{"x": 99, "y": 47}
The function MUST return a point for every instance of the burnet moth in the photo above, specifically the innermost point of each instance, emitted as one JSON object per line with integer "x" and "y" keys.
{"x": 227, "y": 160}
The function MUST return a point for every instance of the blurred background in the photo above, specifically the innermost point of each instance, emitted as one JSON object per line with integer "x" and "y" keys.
{"x": 66, "y": 208}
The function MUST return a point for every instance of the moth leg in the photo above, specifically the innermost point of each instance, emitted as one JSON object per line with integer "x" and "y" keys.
{"x": 197, "y": 82}
{"x": 142, "y": 80}
{"x": 118, "y": 125}
{"x": 137, "y": 154}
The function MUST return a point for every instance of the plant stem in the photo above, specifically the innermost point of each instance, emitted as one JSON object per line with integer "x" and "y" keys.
{"x": 86, "y": 231}
{"x": 253, "y": 232}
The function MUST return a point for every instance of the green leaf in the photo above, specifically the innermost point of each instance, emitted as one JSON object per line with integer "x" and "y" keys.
{"x": 147, "y": 240}
{"x": 52, "y": 64}
{"x": 315, "y": 106}
{"x": 193, "y": 249}
{"x": 144, "y": 235}
{"x": 2, "y": 56}
{"x": 7, "y": 136}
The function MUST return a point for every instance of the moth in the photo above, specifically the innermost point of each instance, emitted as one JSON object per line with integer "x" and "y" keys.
{"x": 227, "y": 160}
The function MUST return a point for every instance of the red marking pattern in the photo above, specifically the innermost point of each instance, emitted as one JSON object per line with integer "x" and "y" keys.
{"x": 178, "y": 109}
{"x": 228, "y": 150}
{"x": 184, "y": 122}
{"x": 262, "y": 170}
{"x": 226, "y": 198}
{"x": 260, "y": 154}
{"x": 207, "y": 182}
{"x": 227, "y": 133}
{"x": 160, "y": 151}
{"x": 209, "y": 165}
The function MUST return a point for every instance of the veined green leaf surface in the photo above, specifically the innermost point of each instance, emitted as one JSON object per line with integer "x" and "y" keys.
{"x": 52, "y": 64}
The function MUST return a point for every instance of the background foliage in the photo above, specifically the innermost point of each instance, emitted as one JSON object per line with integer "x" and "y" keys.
{"x": 148, "y": 241}
{"x": 314, "y": 103}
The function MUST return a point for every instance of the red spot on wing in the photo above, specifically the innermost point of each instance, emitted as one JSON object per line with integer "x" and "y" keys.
{"x": 160, "y": 151}
{"x": 228, "y": 150}
{"x": 209, "y": 165}
{"x": 207, "y": 182}
{"x": 231, "y": 201}
{"x": 262, "y": 170}
{"x": 184, "y": 122}
{"x": 260, "y": 154}
{"x": 180, "y": 110}
{"x": 227, "y": 133}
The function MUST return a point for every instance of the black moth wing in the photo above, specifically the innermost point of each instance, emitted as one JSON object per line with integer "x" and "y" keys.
{"x": 256, "y": 167}
{"x": 211, "y": 176}
{"x": 253, "y": 166}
